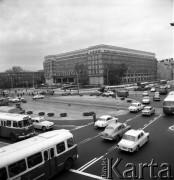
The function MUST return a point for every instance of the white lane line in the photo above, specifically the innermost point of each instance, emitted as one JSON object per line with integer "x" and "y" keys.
{"x": 86, "y": 164}
{"x": 65, "y": 125}
{"x": 79, "y": 127}
{"x": 91, "y": 163}
{"x": 128, "y": 120}
{"x": 87, "y": 174}
{"x": 88, "y": 139}
{"x": 151, "y": 122}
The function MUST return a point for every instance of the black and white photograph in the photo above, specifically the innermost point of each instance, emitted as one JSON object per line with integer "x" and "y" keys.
{"x": 86, "y": 89}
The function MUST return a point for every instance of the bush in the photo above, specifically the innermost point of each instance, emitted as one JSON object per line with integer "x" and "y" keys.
{"x": 50, "y": 114}
{"x": 63, "y": 114}
{"x": 129, "y": 100}
{"x": 29, "y": 112}
{"x": 41, "y": 113}
{"x": 88, "y": 113}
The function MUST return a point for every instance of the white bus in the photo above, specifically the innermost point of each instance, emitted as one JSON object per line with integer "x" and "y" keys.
{"x": 16, "y": 126}
{"x": 39, "y": 157}
{"x": 168, "y": 104}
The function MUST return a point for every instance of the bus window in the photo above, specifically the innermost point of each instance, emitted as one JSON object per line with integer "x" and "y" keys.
{"x": 20, "y": 124}
{"x": 45, "y": 155}
{"x": 3, "y": 173}
{"x": 51, "y": 153}
{"x": 60, "y": 147}
{"x": 34, "y": 160}
{"x": 70, "y": 142}
{"x": 17, "y": 168}
{"x": 8, "y": 123}
{"x": 15, "y": 124}
{"x": 27, "y": 122}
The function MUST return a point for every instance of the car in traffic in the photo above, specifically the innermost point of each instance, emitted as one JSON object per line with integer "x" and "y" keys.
{"x": 14, "y": 100}
{"x": 135, "y": 107}
{"x": 145, "y": 93}
{"x": 108, "y": 93}
{"x": 114, "y": 131}
{"x": 105, "y": 120}
{"x": 38, "y": 96}
{"x": 153, "y": 89}
{"x": 148, "y": 110}
{"x": 156, "y": 96}
{"x": 146, "y": 100}
{"x": 41, "y": 123}
{"x": 132, "y": 140}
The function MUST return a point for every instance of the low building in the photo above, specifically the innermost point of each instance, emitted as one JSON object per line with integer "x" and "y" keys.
{"x": 60, "y": 68}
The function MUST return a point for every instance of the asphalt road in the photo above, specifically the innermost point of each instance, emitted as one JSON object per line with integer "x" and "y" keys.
{"x": 97, "y": 156}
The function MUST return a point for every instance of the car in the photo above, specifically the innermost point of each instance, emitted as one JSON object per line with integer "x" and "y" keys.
{"x": 135, "y": 107}
{"x": 132, "y": 140}
{"x": 41, "y": 123}
{"x": 146, "y": 100}
{"x": 14, "y": 100}
{"x": 38, "y": 96}
{"x": 108, "y": 93}
{"x": 114, "y": 131}
{"x": 145, "y": 93}
{"x": 153, "y": 89}
{"x": 156, "y": 97}
{"x": 148, "y": 110}
{"x": 105, "y": 120}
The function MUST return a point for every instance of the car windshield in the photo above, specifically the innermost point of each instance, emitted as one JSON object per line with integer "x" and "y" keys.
{"x": 101, "y": 119}
{"x": 42, "y": 120}
{"x": 129, "y": 137}
{"x": 146, "y": 108}
{"x": 134, "y": 105}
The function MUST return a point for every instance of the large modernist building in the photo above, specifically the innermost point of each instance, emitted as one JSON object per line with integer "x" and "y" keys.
{"x": 60, "y": 68}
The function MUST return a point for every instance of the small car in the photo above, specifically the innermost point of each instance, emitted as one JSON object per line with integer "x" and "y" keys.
{"x": 105, "y": 120}
{"x": 148, "y": 110}
{"x": 107, "y": 94}
{"x": 145, "y": 93}
{"x": 38, "y": 96}
{"x": 41, "y": 123}
{"x": 153, "y": 89}
{"x": 14, "y": 100}
{"x": 146, "y": 100}
{"x": 156, "y": 97}
{"x": 132, "y": 140}
{"x": 135, "y": 107}
{"x": 114, "y": 131}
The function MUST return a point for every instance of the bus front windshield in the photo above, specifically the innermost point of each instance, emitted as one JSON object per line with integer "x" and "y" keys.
{"x": 24, "y": 123}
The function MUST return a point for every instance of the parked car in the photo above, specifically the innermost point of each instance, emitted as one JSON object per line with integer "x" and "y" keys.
{"x": 38, "y": 96}
{"x": 148, "y": 110}
{"x": 135, "y": 107}
{"x": 108, "y": 93}
{"x": 153, "y": 89}
{"x": 114, "y": 131}
{"x": 41, "y": 123}
{"x": 146, "y": 100}
{"x": 132, "y": 140}
{"x": 105, "y": 120}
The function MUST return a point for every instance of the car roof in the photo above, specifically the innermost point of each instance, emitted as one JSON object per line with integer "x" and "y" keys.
{"x": 115, "y": 125}
{"x": 105, "y": 116}
{"x": 134, "y": 132}
{"x": 37, "y": 118}
{"x": 148, "y": 107}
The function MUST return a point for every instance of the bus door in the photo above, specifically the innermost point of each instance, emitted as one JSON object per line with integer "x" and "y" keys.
{"x": 52, "y": 161}
{"x": 2, "y": 128}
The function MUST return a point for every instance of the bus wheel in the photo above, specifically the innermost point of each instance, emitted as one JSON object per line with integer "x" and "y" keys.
{"x": 44, "y": 128}
{"x": 13, "y": 137}
{"x": 68, "y": 164}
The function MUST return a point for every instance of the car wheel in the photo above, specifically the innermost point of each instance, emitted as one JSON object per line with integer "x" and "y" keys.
{"x": 13, "y": 137}
{"x": 44, "y": 128}
{"x": 68, "y": 164}
{"x": 137, "y": 149}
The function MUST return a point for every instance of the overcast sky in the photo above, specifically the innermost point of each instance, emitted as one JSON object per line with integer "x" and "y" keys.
{"x": 32, "y": 29}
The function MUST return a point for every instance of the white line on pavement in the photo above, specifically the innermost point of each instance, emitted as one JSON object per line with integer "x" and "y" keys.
{"x": 86, "y": 164}
{"x": 87, "y": 174}
{"x": 88, "y": 139}
{"x": 79, "y": 127}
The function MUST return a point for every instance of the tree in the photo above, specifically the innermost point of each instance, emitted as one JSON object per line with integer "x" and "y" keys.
{"x": 115, "y": 72}
{"x": 81, "y": 72}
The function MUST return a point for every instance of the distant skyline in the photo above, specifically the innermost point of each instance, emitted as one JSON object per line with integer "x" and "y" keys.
{"x": 30, "y": 29}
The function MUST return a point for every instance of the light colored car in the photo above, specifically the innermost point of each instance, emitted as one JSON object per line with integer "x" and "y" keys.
{"x": 153, "y": 89}
{"x": 132, "y": 140}
{"x": 114, "y": 131}
{"x": 41, "y": 123}
{"x": 135, "y": 107}
{"x": 105, "y": 120}
{"x": 14, "y": 100}
{"x": 38, "y": 96}
{"x": 148, "y": 110}
{"x": 145, "y": 93}
{"x": 156, "y": 96}
{"x": 108, "y": 93}
{"x": 146, "y": 100}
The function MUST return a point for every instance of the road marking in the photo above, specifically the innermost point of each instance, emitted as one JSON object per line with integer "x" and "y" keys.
{"x": 88, "y": 139}
{"x": 79, "y": 127}
{"x": 91, "y": 163}
{"x": 86, "y": 164}
{"x": 145, "y": 126}
{"x": 65, "y": 125}
{"x": 87, "y": 174}
{"x": 128, "y": 120}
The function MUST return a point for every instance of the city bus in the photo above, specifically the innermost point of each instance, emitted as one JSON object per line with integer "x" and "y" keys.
{"x": 168, "y": 104}
{"x": 40, "y": 157}
{"x": 15, "y": 126}
{"x": 112, "y": 88}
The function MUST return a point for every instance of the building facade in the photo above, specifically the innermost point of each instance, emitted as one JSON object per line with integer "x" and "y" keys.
{"x": 60, "y": 68}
